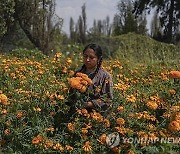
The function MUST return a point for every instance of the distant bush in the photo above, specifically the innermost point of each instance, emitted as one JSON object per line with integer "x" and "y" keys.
{"x": 144, "y": 49}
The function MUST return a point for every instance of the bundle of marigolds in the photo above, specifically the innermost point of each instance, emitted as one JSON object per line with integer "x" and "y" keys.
{"x": 79, "y": 82}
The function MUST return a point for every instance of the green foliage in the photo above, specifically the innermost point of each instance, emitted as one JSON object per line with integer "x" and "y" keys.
{"x": 29, "y": 54}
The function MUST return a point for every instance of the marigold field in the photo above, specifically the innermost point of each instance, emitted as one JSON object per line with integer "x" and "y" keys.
{"x": 34, "y": 88}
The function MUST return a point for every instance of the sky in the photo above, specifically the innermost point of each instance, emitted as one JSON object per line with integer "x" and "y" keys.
{"x": 95, "y": 9}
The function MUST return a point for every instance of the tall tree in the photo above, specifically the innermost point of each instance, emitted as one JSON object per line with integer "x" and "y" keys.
{"x": 84, "y": 19}
{"x": 38, "y": 21}
{"x": 124, "y": 20}
{"x": 72, "y": 29}
{"x": 169, "y": 11}
{"x": 36, "y": 18}
{"x": 156, "y": 29}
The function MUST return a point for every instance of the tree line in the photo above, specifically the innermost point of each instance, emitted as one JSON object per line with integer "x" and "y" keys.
{"x": 35, "y": 23}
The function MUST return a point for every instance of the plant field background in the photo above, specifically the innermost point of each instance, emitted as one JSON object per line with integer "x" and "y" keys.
{"x": 146, "y": 104}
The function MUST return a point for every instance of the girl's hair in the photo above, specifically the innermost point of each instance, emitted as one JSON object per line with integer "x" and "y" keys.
{"x": 98, "y": 53}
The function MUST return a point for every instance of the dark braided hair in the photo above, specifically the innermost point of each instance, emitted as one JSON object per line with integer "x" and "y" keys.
{"x": 98, "y": 52}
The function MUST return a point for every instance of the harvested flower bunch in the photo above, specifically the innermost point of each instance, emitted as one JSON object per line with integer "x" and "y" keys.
{"x": 80, "y": 82}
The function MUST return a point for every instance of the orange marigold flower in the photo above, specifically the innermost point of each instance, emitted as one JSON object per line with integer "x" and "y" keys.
{"x": 97, "y": 116}
{"x": 48, "y": 144}
{"x": 87, "y": 147}
{"x": 4, "y": 99}
{"x": 120, "y": 121}
{"x": 120, "y": 108}
{"x": 68, "y": 147}
{"x": 38, "y": 139}
{"x": 174, "y": 126}
{"x": 71, "y": 127}
{"x": 68, "y": 60}
{"x": 7, "y": 131}
{"x": 174, "y": 74}
{"x": 131, "y": 98}
{"x": 84, "y": 130}
{"x": 106, "y": 123}
{"x": 172, "y": 91}
{"x": 4, "y": 111}
{"x": 19, "y": 114}
{"x": 152, "y": 105}
{"x": 102, "y": 139}
{"x": 71, "y": 73}
{"x": 59, "y": 147}
{"x": 115, "y": 149}
{"x": 121, "y": 130}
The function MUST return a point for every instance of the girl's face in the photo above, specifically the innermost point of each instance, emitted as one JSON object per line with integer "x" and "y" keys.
{"x": 90, "y": 59}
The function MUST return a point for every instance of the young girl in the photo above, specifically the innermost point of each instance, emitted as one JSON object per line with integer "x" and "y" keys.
{"x": 101, "y": 89}
{"x": 100, "y": 92}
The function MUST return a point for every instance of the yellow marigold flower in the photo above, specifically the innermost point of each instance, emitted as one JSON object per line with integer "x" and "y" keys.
{"x": 38, "y": 139}
{"x": 13, "y": 75}
{"x": 152, "y": 105}
{"x": 57, "y": 55}
{"x": 4, "y": 111}
{"x": 120, "y": 121}
{"x": 106, "y": 123}
{"x": 84, "y": 130}
{"x": 84, "y": 112}
{"x": 175, "y": 108}
{"x": 7, "y": 131}
{"x": 48, "y": 144}
{"x": 102, "y": 139}
{"x": 97, "y": 116}
{"x": 68, "y": 60}
{"x": 60, "y": 97}
{"x": 174, "y": 126}
{"x": 37, "y": 109}
{"x": 19, "y": 114}
{"x": 131, "y": 98}
{"x": 69, "y": 148}
{"x": 71, "y": 73}
{"x": 177, "y": 117}
{"x": 120, "y": 108}
{"x": 174, "y": 74}
{"x": 121, "y": 130}
{"x": 3, "y": 99}
{"x": 40, "y": 72}
{"x": 172, "y": 91}
{"x": 50, "y": 129}
{"x": 87, "y": 147}
{"x": 71, "y": 127}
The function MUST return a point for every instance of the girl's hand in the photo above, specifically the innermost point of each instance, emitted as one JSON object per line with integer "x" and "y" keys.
{"x": 89, "y": 104}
